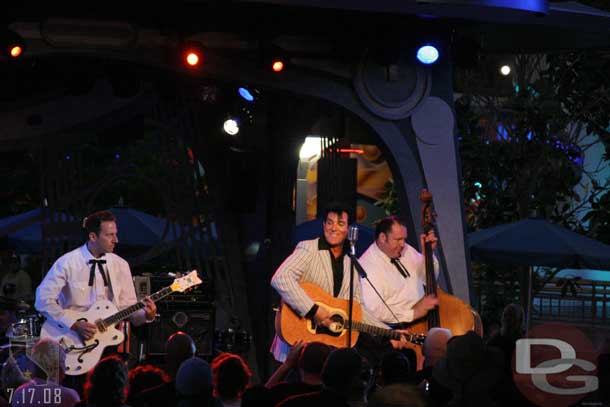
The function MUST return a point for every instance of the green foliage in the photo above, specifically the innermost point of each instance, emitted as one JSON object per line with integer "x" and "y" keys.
{"x": 389, "y": 199}
{"x": 599, "y": 218}
{"x": 522, "y": 153}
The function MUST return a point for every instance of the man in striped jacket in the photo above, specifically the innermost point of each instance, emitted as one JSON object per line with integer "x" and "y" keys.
{"x": 322, "y": 262}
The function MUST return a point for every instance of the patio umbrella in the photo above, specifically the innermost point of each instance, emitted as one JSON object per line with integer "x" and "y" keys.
{"x": 136, "y": 228}
{"x": 537, "y": 242}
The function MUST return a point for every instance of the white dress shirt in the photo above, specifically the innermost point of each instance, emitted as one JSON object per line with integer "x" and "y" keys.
{"x": 66, "y": 286}
{"x": 399, "y": 293}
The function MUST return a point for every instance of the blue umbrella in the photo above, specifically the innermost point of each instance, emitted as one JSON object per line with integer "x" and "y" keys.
{"x": 136, "y": 228}
{"x": 537, "y": 242}
{"x": 24, "y": 231}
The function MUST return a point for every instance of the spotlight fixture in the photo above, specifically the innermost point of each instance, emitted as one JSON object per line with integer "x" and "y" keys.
{"x": 11, "y": 44}
{"x": 245, "y": 94}
{"x": 192, "y": 55}
{"x": 505, "y": 70}
{"x": 277, "y": 65}
{"x": 427, "y": 54}
{"x": 16, "y": 51}
{"x": 192, "y": 58}
{"x": 231, "y": 126}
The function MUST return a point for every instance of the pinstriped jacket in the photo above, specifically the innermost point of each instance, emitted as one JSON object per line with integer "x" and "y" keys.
{"x": 309, "y": 263}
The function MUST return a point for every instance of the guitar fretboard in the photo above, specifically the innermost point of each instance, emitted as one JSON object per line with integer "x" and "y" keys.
{"x": 374, "y": 330}
{"x": 126, "y": 313}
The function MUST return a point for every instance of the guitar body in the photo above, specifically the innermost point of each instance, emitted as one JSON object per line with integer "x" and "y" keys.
{"x": 292, "y": 328}
{"x": 83, "y": 356}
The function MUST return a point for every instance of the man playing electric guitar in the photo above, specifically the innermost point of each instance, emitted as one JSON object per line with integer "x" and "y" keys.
{"x": 88, "y": 274}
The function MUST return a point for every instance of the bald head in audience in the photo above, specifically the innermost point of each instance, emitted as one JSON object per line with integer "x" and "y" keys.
{"x": 435, "y": 345}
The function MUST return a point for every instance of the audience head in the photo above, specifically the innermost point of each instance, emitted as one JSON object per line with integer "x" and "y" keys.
{"x": 50, "y": 359}
{"x": 107, "y": 382}
{"x": 470, "y": 371}
{"x": 231, "y": 376}
{"x": 435, "y": 345}
{"x": 194, "y": 383}
{"x": 257, "y": 396}
{"x": 395, "y": 368}
{"x": 11, "y": 375}
{"x": 512, "y": 320}
{"x": 342, "y": 370}
{"x": 145, "y": 377}
{"x": 312, "y": 358}
{"x": 178, "y": 348}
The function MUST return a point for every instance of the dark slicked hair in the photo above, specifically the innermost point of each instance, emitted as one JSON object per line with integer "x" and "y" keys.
{"x": 338, "y": 208}
{"x": 93, "y": 222}
{"x": 384, "y": 225}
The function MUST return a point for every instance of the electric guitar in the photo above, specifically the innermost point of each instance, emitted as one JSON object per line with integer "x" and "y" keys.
{"x": 292, "y": 328}
{"x": 81, "y": 355}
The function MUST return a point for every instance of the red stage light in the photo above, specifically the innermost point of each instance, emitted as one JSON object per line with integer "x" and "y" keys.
{"x": 15, "y": 51}
{"x": 277, "y": 65}
{"x": 192, "y": 58}
{"x": 351, "y": 150}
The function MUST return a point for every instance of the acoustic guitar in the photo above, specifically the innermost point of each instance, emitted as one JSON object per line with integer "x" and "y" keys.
{"x": 292, "y": 328}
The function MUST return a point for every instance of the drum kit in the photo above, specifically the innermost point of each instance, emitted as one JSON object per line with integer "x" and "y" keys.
{"x": 24, "y": 327}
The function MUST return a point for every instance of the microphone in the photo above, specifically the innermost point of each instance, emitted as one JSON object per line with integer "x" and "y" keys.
{"x": 352, "y": 237}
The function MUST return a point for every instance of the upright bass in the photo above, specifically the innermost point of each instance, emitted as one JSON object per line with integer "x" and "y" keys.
{"x": 451, "y": 313}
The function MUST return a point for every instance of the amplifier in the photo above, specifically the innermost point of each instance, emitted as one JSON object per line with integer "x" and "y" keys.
{"x": 148, "y": 284}
{"x": 150, "y": 339}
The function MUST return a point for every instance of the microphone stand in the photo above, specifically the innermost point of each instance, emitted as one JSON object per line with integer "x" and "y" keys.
{"x": 353, "y": 261}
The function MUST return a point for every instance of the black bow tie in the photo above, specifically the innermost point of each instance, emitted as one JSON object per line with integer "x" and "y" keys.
{"x": 100, "y": 267}
{"x": 402, "y": 269}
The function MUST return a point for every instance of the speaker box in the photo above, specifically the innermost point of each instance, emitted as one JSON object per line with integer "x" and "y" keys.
{"x": 199, "y": 324}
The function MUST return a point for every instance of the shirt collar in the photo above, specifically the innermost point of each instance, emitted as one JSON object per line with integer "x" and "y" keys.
{"x": 324, "y": 245}
{"x": 381, "y": 254}
{"x": 88, "y": 256}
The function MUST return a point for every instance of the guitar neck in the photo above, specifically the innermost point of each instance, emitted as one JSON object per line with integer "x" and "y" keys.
{"x": 374, "y": 330}
{"x": 127, "y": 312}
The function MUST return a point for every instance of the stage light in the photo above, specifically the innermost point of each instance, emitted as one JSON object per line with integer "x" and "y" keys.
{"x": 277, "y": 65}
{"x": 192, "y": 58}
{"x": 505, "y": 70}
{"x": 231, "y": 126}
{"x": 191, "y": 54}
{"x": 245, "y": 94}
{"x": 16, "y": 51}
{"x": 11, "y": 43}
{"x": 312, "y": 147}
{"x": 427, "y": 54}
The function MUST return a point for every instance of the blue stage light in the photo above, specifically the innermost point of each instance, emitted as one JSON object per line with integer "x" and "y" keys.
{"x": 245, "y": 93}
{"x": 427, "y": 54}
